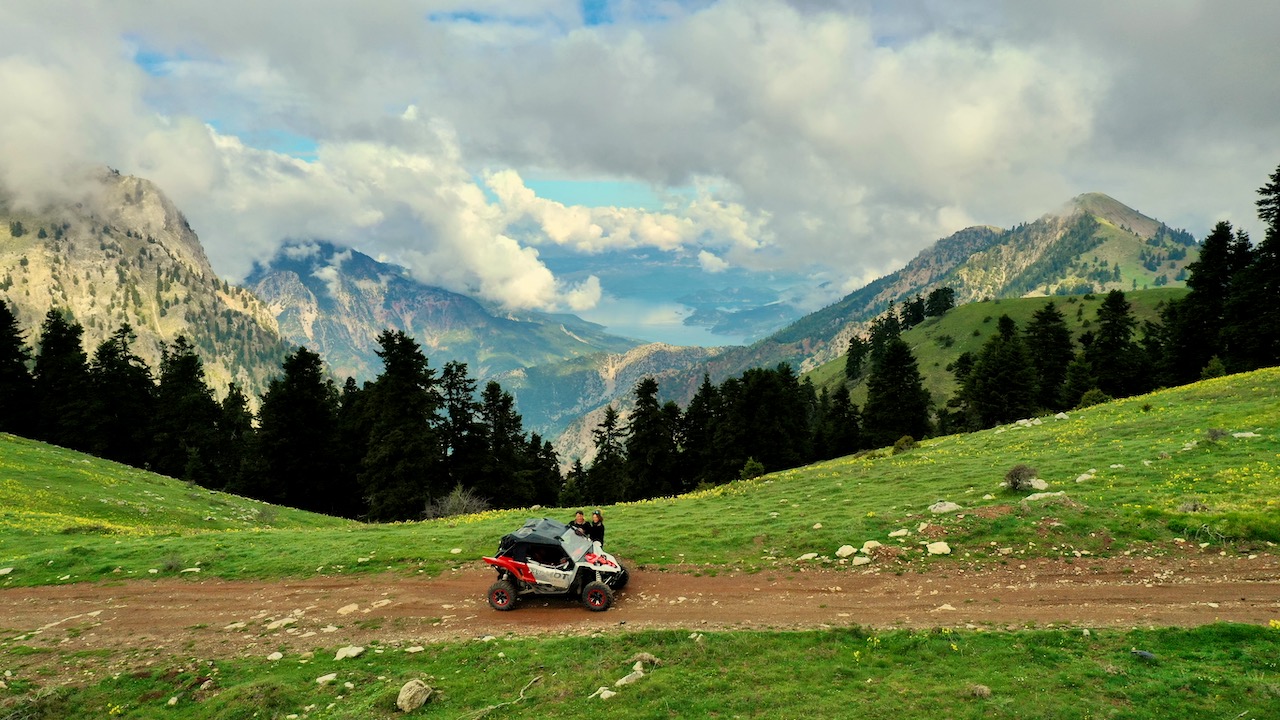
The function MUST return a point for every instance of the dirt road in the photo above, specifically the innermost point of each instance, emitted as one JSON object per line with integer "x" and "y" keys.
{"x": 135, "y": 622}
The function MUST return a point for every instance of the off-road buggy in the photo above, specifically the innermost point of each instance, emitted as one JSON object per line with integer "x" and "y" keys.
{"x": 546, "y": 557}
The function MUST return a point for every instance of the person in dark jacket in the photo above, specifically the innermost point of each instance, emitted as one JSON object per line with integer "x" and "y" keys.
{"x": 580, "y": 524}
{"x": 595, "y": 528}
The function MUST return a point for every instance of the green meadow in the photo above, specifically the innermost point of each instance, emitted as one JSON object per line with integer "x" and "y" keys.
{"x": 1198, "y": 464}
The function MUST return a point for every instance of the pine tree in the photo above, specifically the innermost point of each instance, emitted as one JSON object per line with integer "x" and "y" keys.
{"x": 607, "y": 480}
{"x": 404, "y": 468}
{"x": 697, "y": 436}
{"x": 464, "y": 434}
{"x": 1116, "y": 359}
{"x": 842, "y": 424}
{"x": 122, "y": 401}
{"x": 61, "y": 379}
{"x": 940, "y": 301}
{"x": 186, "y": 418}
{"x": 1001, "y": 387}
{"x": 235, "y": 439}
{"x": 17, "y": 388}
{"x": 1253, "y": 309}
{"x": 506, "y": 452}
{"x": 297, "y": 459}
{"x": 897, "y": 402}
{"x": 650, "y": 445}
{"x": 856, "y": 359}
{"x": 1050, "y": 350}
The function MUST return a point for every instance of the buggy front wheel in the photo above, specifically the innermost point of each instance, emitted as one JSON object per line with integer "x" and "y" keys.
{"x": 597, "y": 596}
{"x": 502, "y": 595}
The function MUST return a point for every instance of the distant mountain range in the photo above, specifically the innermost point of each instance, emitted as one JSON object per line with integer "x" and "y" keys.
{"x": 132, "y": 257}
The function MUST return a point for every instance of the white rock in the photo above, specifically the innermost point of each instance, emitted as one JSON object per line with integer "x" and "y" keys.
{"x": 944, "y": 506}
{"x": 1062, "y": 416}
{"x": 938, "y": 548}
{"x": 456, "y": 551}
{"x": 1038, "y": 484}
{"x": 326, "y": 679}
{"x": 276, "y": 656}
{"x": 6, "y": 571}
{"x": 1245, "y": 435}
{"x": 348, "y": 609}
{"x": 603, "y": 693}
{"x": 413, "y": 695}
{"x": 277, "y": 624}
{"x": 349, "y": 651}
{"x": 234, "y": 626}
{"x": 817, "y": 526}
{"x": 988, "y": 496}
{"x": 1084, "y": 477}
{"x": 191, "y": 570}
{"x": 807, "y": 556}
{"x": 1117, "y": 466}
{"x": 946, "y": 606}
{"x": 629, "y": 678}
{"x": 870, "y": 545}
{"x": 861, "y": 560}
{"x": 845, "y": 551}
{"x": 414, "y": 649}
{"x": 1040, "y": 496}
{"x": 900, "y": 532}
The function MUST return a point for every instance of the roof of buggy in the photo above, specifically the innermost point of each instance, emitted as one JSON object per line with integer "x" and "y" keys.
{"x": 542, "y": 531}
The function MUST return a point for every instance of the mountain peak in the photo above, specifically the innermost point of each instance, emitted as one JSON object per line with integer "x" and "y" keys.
{"x": 1111, "y": 210}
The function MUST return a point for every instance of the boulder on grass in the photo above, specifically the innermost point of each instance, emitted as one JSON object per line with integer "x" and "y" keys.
{"x": 413, "y": 695}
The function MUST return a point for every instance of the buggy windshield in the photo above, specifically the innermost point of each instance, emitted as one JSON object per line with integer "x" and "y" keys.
{"x": 574, "y": 544}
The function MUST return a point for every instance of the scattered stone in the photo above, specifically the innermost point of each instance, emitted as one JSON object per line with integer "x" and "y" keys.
{"x": 1042, "y": 495}
{"x": 4, "y": 685}
{"x": 456, "y": 551}
{"x": 861, "y": 560}
{"x": 6, "y": 571}
{"x": 807, "y": 556}
{"x": 488, "y": 638}
{"x": 603, "y": 693}
{"x": 845, "y": 551}
{"x": 1086, "y": 632}
{"x": 348, "y": 609}
{"x": 277, "y": 624}
{"x": 938, "y": 548}
{"x": 1038, "y": 484}
{"x": 276, "y": 656}
{"x": 1062, "y": 416}
{"x": 234, "y": 626}
{"x": 943, "y": 506}
{"x": 349, "y": 651}
{"x": 191, "y": 570}
{"x": 413, "y": 695}
{"x": 988, "y": 496}
{"x": 644, "y": 657}
{"x": 326, "y": 679}
{"x": 944, "y": 607}
{"x": 414, "y": 649}
{"x": 173, "y": 701}
{"x": 900, "y": 532}
{"x": 817, "y": 526}
{"x": 980, "y": 691}
{"x": 629, "y": 678}
{"x": 1117, "y": 466}
{"x": 1084, "y": 477}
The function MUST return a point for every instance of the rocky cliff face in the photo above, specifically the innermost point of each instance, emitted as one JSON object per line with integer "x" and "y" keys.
{"x": 127, "y": 255}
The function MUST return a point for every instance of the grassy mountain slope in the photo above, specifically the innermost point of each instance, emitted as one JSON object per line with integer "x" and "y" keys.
{"x": 937, "y": 342}
{"x": 1150, "y": 458}
{"x": 1147, "y": 474}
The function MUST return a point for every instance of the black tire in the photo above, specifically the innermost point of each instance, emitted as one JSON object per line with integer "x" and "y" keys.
{"x": 502, "y": 595}
{"x": 597, "y": 596}
{"x": 621, "y": 578}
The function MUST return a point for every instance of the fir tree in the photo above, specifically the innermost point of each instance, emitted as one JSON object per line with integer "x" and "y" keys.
{"x": 186, "y": 418}
{"x": 17, "y": 388}
{"x": 897, "y": 402}
{"x": 122, "y": 401}
{"x": 607, "y": 480}
{"x": 1001, "y": 387}
{"x": 1050, "y": 350}
{"x": 650, "y": 445}
{"x": 61, "y": 379}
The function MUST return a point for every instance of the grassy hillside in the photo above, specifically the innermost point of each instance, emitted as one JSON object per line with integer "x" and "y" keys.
{"x": 1195, "y": 464}
{"x": 1149, "y": 458}
{"x": 937, "y": 342}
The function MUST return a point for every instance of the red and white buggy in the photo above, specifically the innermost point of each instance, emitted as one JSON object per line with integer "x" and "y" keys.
{"x": 546, "y": 557}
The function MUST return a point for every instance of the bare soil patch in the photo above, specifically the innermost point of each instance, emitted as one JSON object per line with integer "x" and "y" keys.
{"x": 139, "y": 623}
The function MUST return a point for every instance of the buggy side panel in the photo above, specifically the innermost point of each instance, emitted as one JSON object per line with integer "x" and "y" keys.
{"x": 517, "y": 569}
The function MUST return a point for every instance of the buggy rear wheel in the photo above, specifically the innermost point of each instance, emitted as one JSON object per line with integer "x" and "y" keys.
{"x": 502, "y": 595}
{"x": 597, "y": 596}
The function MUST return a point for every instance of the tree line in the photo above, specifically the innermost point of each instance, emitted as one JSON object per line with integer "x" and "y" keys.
{"x": 384, "y": 451}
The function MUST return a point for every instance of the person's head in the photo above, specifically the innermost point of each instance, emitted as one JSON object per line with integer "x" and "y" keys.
{"x": 577, "y": 517}
{"x": 597, "y": 517}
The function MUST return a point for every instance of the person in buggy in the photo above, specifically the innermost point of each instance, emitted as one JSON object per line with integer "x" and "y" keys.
{"x": 546, "y": 557}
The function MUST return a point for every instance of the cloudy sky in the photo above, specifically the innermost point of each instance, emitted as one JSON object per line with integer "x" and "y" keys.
{"x": 606, "y": 156}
